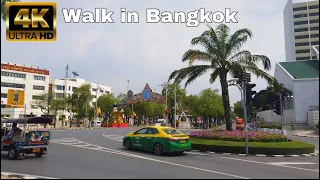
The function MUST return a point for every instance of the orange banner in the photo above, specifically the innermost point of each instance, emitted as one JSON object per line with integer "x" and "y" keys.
{"x": 15, "y": 98}
{"x": 24, "y": 69}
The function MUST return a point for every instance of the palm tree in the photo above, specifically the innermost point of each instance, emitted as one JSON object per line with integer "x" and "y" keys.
{"x": 3, "y": 8}
{"x": 223, "y": 56}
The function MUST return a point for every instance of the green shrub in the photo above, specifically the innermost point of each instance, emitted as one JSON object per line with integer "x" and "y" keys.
{"x": 237, "y": 135}
{"x": 268, "y": 148}
{"x": 273, "y": 126}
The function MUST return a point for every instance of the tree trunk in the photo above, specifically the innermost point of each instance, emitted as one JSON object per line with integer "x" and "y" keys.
{"x": 226, "y": 101}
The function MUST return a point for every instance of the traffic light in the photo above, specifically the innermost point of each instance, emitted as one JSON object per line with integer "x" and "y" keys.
{"x": 249, "y": 93}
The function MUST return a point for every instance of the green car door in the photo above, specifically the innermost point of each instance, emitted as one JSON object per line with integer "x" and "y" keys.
{"x": 138, "y": 137}
{"x": 149, "y": 138}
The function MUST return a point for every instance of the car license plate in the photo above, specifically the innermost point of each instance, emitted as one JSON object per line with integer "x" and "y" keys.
{"x": 182, "y": 141}
{"x": 36, "y": 150}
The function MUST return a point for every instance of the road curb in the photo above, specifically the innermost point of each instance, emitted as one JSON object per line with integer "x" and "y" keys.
{"x": 11, "y": 175}
{"x": 316, "y": 153}
{"x": 306, "y": 136}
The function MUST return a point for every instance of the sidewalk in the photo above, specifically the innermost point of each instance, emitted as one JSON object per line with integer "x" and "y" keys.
{"x": 310, "y": 134}
{"x": 9, "y": 175}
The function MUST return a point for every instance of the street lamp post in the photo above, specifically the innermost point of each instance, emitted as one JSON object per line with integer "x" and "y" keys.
{"x": 165, "y": 85}
{"x": 175, "y": 106}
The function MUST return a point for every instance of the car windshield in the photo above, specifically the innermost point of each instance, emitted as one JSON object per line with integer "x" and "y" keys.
{"x": 172, "y": 131}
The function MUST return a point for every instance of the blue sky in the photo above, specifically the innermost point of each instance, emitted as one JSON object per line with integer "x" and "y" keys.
{"x": 112, "y": 53}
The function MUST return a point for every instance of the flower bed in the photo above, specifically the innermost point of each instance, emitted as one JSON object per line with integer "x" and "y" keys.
{"x": 238, "y": 136}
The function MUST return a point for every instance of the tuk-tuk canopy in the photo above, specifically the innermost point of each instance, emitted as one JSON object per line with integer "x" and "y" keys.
{"x": 30, "y": 120}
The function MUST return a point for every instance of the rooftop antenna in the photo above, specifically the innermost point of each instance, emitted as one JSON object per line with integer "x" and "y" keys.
{"x": 75, "y": 73}
{"x": 67, "y": 70}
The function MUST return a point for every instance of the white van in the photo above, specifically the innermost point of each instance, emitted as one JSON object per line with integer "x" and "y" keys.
{"x": 160, "y": 122}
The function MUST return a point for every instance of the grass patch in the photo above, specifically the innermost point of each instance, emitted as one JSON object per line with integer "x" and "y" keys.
{"x": 268, "y": 148}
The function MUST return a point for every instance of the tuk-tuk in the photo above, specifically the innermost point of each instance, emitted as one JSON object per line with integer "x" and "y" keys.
{"x": 19, "y": 142}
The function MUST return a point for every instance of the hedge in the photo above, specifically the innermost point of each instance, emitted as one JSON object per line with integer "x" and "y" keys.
{"x": 273, "y": 126}
{"x": 267, "y": 148}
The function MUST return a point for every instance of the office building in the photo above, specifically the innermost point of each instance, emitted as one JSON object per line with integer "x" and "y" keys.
{"x": 301, "y": 29}
{"x": 20, "y": 86}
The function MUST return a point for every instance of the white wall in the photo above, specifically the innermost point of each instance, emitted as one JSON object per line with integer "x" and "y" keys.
{"x": 306, "y": 93}
{"x": 283, "y": 77}
{"x": 272, "y": 118}
{"x": 289, "y": 31}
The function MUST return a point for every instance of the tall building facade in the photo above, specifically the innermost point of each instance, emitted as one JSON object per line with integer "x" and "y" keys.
{"x": 20, "y": 85}
{"x": 301, "y": 30}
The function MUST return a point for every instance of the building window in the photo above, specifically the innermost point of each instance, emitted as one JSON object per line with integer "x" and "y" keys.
{"x": 36, "y": 97}
{"x": 94, "y": 89}
{"x": 4, "y": 95}
{"x": 301, "y": 22}
{"x": 13, "y": 85}
{"x": 107, "y": 92}
{"x": 314, "y": 14}
{"x": 101, "y": 90}
{"x": 314, "y": 29}
{"x": 302, "y": 44}
{"x": 93, "y": 96}
{"x": 314, "y": 35}
{"x": 59, "y": 95}
{"x": 39, "y": 78}
{"x": 314, "y": 7}
{"x": 38, "y": 87}
{"x": 315, "y": 43}
{"x": 314, "y": 57}
{"x": 60, "y": 87}
{"x": 300, "y": 8}
{"x": 301, "y": 30}
{"x": 11, "y": 74}
{"x": 314, "y": 21}
{"x": 69, "y": 88}
{"x": 303, "y": 58}
{"x": 302, "y": 51}
{"x": 300, "y": 15}
{"x": 302, "y": 37}
{"x": 74, "y": 88}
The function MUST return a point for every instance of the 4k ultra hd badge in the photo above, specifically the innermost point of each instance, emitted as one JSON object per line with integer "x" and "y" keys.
{"x": 31, "y": 21}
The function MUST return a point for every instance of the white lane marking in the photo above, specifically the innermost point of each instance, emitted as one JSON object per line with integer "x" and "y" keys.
{"x": 257, "y": 162}
{"x": 103, "y": 149}
{"x": 27, "y": 175}
{"x": 290, "y": 163}
{"x": 113, "y": 137}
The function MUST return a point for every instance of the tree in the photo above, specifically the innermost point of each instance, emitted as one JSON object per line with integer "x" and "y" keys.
{"x": 191, "y": 103}
{"x": 3, "y": 8}
{"x": 238, "y": 109}
{"x": 181, "y": 94}
{"x": 56, "y": 105}
{"x": 80, "y": 101}
{"x": 106, "y": 102}
{"x": 44, "y": 102}
{"x": 223, "y": 56}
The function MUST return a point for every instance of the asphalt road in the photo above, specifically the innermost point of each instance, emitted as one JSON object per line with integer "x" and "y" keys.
{"x": 98, "y": 154}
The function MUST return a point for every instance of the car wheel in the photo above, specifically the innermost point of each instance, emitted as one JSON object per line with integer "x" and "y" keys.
{"x": 157, "y": 149}
{"x": 127, "y": 144}
{"x": 13, "y": 153}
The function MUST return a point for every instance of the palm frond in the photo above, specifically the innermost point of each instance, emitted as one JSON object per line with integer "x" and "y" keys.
{"x": 237, "y": 40}
{"x": 191, "y": 71}
{"x": 258, "y": 72}
{"x": 196, "y": 73}
{"x": 191, "y": 55}
{"x": 3, "y": 8}
{"x": 263, "y": 59}
{"x": 240, "y": 55}
{"x": 214, "y": 75}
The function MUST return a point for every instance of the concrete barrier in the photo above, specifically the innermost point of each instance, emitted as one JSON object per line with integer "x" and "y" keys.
{"x": 273, "y": 131}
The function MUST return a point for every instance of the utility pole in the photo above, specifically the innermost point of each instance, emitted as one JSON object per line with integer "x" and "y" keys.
{"x": 245, "y": 116}
{"x": 175, "y": 106}
{"x": 96, "y": 112}
{"x": 281, "y": 111}
{"x": 165, "y": 85}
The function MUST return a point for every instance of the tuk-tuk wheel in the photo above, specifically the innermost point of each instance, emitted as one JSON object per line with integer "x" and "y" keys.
{"x": 13, "y": 153}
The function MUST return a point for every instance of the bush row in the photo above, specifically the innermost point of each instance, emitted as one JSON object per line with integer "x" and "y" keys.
{"x": 273, "y": 126}
{"x": 237, "y": 135}
{"x": 269, "y": 148}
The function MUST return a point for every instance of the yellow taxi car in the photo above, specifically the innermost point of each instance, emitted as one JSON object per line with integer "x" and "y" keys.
{"x": 158, "y": 139}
